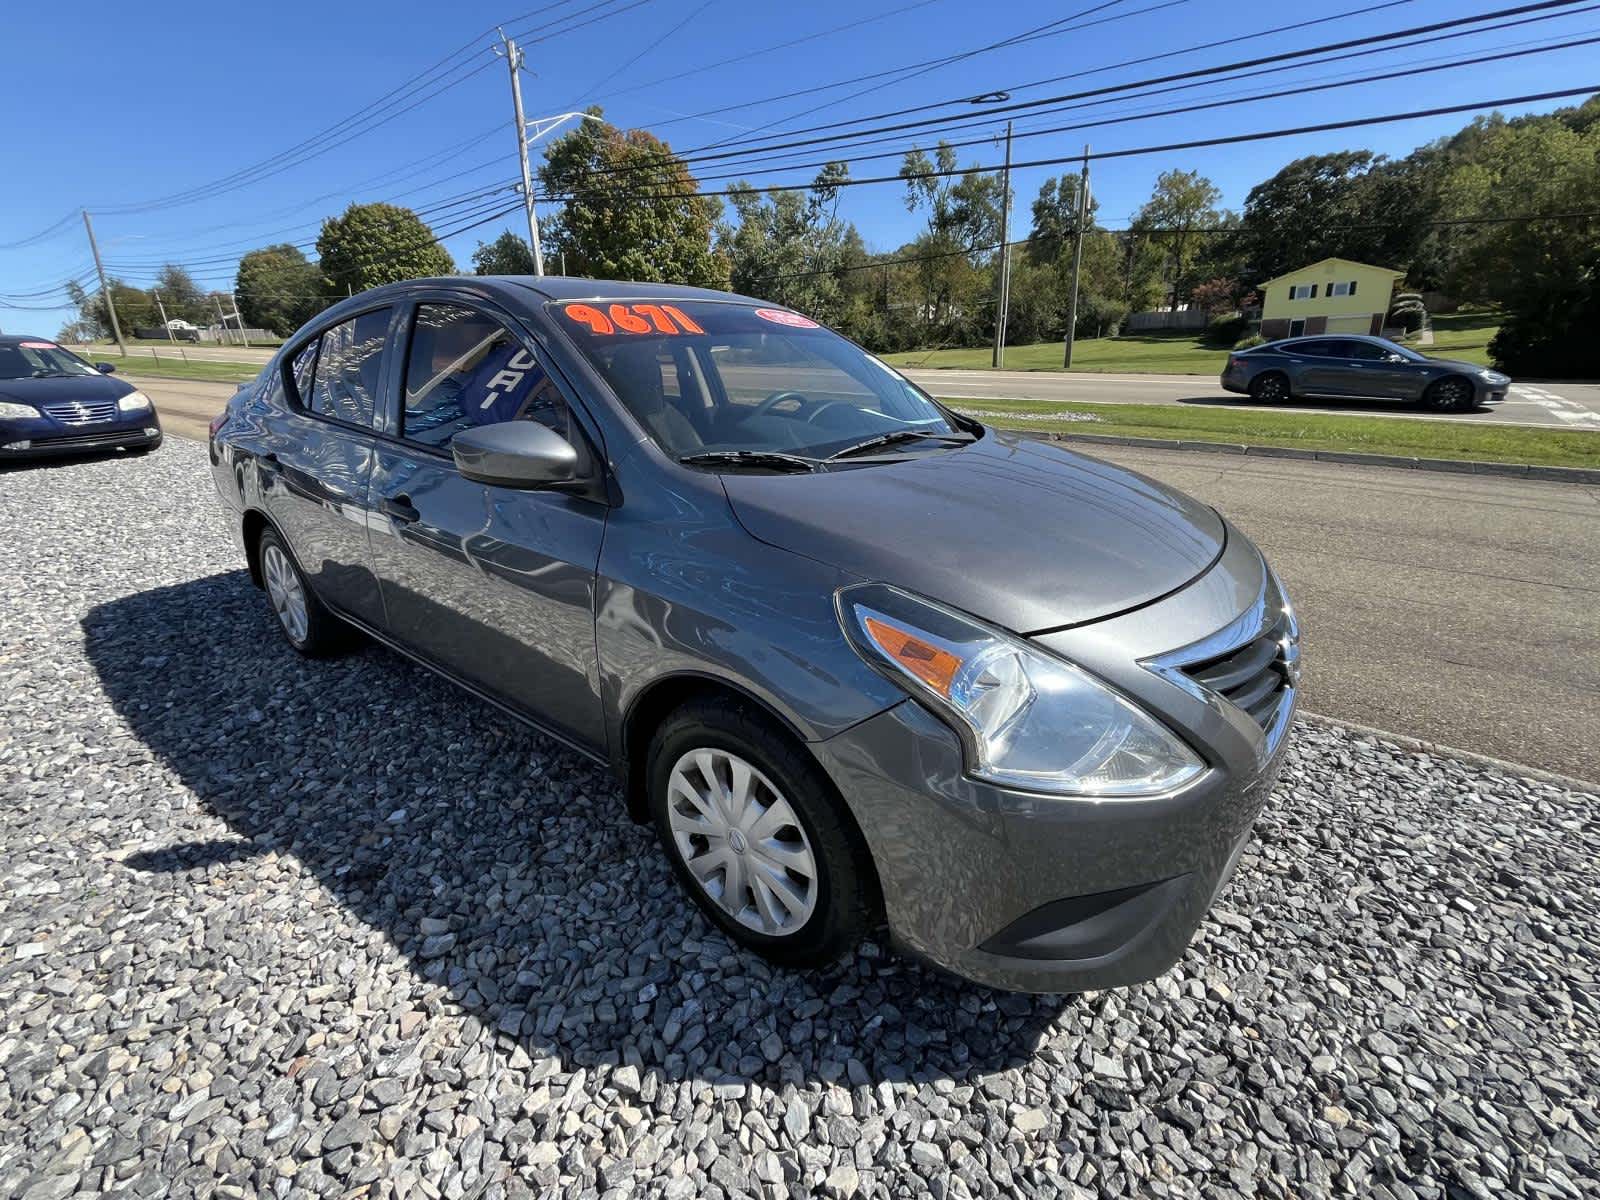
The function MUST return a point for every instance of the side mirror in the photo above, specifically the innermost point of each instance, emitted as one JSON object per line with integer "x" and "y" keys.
{"x": 106, "y": 368}
{"x": 519, "y": 454}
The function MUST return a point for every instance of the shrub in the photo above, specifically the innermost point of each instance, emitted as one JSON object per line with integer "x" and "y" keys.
{"x": 1556, "y": 343}
{"x": 1225, "y": 331}
{"x": 1253, "y": 339}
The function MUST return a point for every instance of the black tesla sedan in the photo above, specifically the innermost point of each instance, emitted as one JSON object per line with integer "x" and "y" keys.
{"x": 53, "y": 402}
{"x": 1356, "y": 365}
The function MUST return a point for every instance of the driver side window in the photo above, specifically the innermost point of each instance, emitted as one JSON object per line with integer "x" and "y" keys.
{"x": 464, "y": 368}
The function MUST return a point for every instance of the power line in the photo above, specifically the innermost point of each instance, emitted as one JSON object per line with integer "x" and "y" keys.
{"x": 1403, "y": 72}
{"x": 1165, "y": 148}
{"x": 1110, "y": 89}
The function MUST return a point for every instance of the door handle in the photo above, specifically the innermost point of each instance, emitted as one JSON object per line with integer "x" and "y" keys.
{"x": 399, "y": 508}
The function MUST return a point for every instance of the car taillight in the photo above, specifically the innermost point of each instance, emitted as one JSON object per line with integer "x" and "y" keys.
{"x": 218, "y": 421}
{"x": 1233, "y": 361}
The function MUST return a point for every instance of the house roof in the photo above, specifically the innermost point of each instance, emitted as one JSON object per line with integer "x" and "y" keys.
{"x": 1332, "y": 259}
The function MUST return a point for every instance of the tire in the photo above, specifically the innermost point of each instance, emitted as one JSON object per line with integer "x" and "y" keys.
{"x": 828, "y": 917}
{"x": 1270, "y": 387}
{"x": 309, "y": 627}
{"x": 1450, "y": 394}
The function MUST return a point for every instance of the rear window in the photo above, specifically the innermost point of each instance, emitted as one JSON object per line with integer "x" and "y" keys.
{"x": 712, "y": 376}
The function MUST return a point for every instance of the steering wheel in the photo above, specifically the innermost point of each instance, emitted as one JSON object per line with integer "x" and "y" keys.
{"x": 772, "y": 402}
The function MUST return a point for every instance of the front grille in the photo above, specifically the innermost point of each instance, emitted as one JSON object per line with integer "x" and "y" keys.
{"x": 88, "y": 441}
{"x": 80, "y": 412}
{"x": 1254, "y": 676}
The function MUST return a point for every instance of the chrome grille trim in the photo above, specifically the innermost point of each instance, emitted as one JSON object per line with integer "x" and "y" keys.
{"x": 1252, "y": 664}
{"x": 80, "y": 412}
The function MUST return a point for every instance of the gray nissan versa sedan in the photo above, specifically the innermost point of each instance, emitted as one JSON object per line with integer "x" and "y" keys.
{"x": 858, "y": 658}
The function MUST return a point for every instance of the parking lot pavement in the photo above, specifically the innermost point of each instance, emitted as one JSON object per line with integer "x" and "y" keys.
{"x": 277, "y": 927}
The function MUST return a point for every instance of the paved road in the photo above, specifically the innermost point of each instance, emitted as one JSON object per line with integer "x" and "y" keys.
{"x": 1559, "y": 405}
{"x": 182, "y": 350}
{"x": 1460, "y": 609}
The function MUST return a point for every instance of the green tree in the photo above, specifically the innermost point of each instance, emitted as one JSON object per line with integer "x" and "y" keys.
{"x": 1545, "y": 273}
{"x": 1055, "y": 218}
{"x": 373, "y": 244}
{"x": 181, "y": 295}
{"x": 508, "y": 254}
{"x": 1101, "y": 287}
{"x": 278, "y": 288}
{"x": 630, "y": 208}
{"x": 1182, "y": 202}
{"x": 958, "y": 249}
{"x": 789, "y": 246}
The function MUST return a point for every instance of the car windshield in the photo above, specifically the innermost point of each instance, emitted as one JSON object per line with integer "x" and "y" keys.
{"x": 39, "y": 360}
{"x": 720, "y": 378}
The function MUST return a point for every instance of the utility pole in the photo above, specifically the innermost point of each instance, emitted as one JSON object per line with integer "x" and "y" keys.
{"x": 1077, "y": 255}
{"x": 1005, "y": 259}
{"x": 234, "y": 300}
{"x": 99, "y": 269}
{"x": 222, "y": 321}
{"x": 162, "y": 309}
{"x": 513, "y": 56}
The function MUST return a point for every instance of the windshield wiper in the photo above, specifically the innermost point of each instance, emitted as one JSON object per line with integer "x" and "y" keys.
{"x": 774, "y": 459}
{"x": 902, "y": 435}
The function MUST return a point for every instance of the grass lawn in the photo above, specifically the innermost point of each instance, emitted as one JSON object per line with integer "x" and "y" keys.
{"x": 213, "y": 372}
{"x": 1174, "y": 353}
{"x": 1411, "y": 437}
{"x": 1459, "y": 335}
{"x": 1463, "y": 335}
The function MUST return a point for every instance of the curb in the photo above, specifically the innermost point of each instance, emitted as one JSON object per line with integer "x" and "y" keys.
{"x": 1418, "y": 745}
{"x": 1453, "y": 466}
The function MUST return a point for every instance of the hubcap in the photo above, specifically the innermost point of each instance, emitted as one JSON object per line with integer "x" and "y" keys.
{"x": 284, "y": 591}
{"x": 741, "y": 841}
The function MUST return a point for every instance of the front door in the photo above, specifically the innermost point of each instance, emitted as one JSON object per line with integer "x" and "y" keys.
{"x": 1378, "y": 376}
{"x": 494, "y": 584}
{"x": 1321, "y": 372}
{"x": 317, "y": 460}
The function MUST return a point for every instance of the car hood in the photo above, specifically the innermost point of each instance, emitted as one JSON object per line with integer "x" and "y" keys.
{"x": 1023, "y": 533}
{"x": 1456, "y": 364}
{"x": 74, "y": 387}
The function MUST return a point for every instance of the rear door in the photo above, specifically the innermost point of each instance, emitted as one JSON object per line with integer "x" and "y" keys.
{"x": 494, "y": 584}
{"x": 1318, "y": 371}
{"x": 316, "y": 459}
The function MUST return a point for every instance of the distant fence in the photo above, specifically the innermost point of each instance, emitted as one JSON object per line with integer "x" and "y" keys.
{"x": 1165, "y": 318}
{"x": 229, "y": 336}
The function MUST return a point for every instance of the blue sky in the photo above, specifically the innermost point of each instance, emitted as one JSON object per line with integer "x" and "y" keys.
{"x": 116, "y": 108}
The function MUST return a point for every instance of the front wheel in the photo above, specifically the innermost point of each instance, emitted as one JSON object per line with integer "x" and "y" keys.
{"x": 1449, "y": 395}
{"x": 1270, "y": 388}
{"x": 757, "y": 835}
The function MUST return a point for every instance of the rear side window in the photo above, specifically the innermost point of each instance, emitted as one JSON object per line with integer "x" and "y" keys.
{"x": 465, "y": 368}
{"x": 348, "y": 360}
{"x": 1315, "y": 349}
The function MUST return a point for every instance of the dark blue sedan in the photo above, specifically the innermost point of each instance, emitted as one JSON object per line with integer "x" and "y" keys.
{"x": 53, "y": 402}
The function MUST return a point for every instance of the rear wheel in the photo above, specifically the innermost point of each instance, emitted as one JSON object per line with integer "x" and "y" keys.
{"x": 1270, "y": 387}
{"x": 1451, "y": 394}
{"x": 756, "y": 834}
{"x": 305, "y": 624}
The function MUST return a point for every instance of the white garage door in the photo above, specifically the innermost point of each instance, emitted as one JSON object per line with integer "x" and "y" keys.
{"x": 1349, "y": 324}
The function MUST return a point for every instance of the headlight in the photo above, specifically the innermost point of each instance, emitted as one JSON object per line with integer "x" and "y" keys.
{"x": 133, "y": 402}
{"x": 16, "y": 412}
{"x": 1028, "y": 719}
{"x": 1489, "y": 376}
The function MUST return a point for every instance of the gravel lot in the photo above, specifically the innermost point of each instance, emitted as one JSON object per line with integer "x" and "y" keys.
{"x": 270, "y": 927}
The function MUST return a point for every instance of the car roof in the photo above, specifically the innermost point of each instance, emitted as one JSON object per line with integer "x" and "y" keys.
{"x": 515, "y": 289}
{"x": 12, "y": 339}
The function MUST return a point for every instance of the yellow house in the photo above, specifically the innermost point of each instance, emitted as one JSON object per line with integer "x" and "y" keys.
{"x": 1335, "y": 295}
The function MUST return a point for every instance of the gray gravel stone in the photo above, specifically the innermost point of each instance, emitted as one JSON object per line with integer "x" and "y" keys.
{"x": 278, "y": 928}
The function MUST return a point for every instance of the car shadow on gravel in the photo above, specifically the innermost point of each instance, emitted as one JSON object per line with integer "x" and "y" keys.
{"x": 500, "y": 864}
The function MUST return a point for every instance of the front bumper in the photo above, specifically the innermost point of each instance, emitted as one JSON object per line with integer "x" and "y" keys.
{"x": 46, "y": 438}
{"x": 1052, "y": 894}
